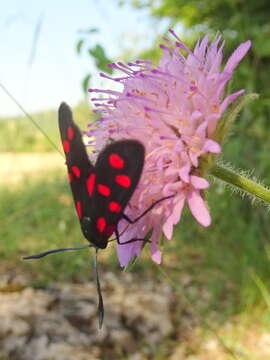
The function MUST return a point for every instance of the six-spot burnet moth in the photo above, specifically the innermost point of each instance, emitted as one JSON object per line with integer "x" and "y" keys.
{"x": 101, "y": 191}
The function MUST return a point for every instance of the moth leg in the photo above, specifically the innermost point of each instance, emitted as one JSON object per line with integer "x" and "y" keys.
{"x": 130, "y": 221}
{"x": 129, "y": 241}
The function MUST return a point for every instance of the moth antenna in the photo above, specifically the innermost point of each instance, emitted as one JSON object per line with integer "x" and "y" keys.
{"x": 30, "y": 118}
{"x": 45, "y": 253}
{"x": 100, "y": 299}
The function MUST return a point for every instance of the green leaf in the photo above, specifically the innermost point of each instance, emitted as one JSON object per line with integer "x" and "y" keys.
{"x": 88, "y": 31}
{"x": 86, "y": 83}
{"x": 79, "y": 46}
{"x": 100, "y": 58}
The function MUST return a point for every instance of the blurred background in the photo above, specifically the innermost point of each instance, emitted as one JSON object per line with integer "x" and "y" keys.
{"x": 210, "y": 299}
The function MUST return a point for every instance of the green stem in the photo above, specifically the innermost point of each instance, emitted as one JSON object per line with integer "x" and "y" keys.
{"x": 241, "y": 182}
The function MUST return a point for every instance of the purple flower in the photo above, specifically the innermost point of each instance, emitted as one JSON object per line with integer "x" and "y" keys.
{"x": 173, "y": 108}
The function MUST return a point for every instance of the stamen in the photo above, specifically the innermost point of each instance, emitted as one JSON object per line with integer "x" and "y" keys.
{"x": 174, "y": 34}
{"x": 111, "y": 78}
{"x": 99, "y": 111}
{"x": 134, "y": 64}
{"x": 149, "y": 62}
{"x": 100, "y": 99}
{"x": 163, "y": 47}
{"x": 125, "y": 66}
{"x": 117, "y": 67}
{"x": 112, "y": 92}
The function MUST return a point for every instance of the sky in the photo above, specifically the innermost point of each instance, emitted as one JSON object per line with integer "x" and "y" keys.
{"x": 56, "y": 71}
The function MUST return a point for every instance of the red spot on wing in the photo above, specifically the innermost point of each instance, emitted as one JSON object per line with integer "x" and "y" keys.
{"x": 123, "y": 180}
{"x": 110, "y": 229}
{"x": 66, "y": 146}
{"x": 103, "y": 190}
{"x": 114, "y": 206}
{"x": 116, "y": 161}
{"x": 70, "y": 177}
{"x": 70, "y": 133}
{"x": 79, "y": 208}
{"x": 90, "y": 183}
{"x": 76, "y": 171}
{"x": 101, "y": 224}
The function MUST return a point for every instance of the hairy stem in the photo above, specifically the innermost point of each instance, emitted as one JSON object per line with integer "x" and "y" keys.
{"x": 241, "y": 182}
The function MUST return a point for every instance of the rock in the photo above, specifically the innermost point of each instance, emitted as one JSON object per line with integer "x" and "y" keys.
{"x": 60, "y": 323}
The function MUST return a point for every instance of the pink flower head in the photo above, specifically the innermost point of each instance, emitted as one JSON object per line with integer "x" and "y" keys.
{"x": 173, "y": 109}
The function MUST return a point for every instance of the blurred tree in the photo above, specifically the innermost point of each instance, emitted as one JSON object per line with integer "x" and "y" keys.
{"x": 96, "y": 52}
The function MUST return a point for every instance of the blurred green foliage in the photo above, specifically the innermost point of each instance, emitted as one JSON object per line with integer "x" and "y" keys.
{"x": 37, "y": 215}
{"x": 19, "y": 134}
{"x": 96, "y": 52}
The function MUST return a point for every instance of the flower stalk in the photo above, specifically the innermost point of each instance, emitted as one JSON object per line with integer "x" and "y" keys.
{"x": 241, "y": 182}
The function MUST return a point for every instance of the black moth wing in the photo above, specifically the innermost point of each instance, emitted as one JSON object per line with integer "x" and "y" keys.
{"x": 118, "y": 170}
{"x": 100, "y": 192}
{"x": 78, "y": 164}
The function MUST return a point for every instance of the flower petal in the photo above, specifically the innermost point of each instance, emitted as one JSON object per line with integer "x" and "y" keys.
{"x": 184, "y": 172}
{"x": 156, "y": 256}
{"x": 171, "y": 189}
{"x": 126, "y": 252}
{"x": 155, "y": 252}
{"x": 237, "y": 56}
{"x": 211, "y": 146}
{"x": 177, "y": 211}
{"x": 168, "y": 228}
{"x": 198, "y": 208}
{"x": 199, "y": 182}
{"x": 229, "y": 99}
{"x": 200, "y": 131}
